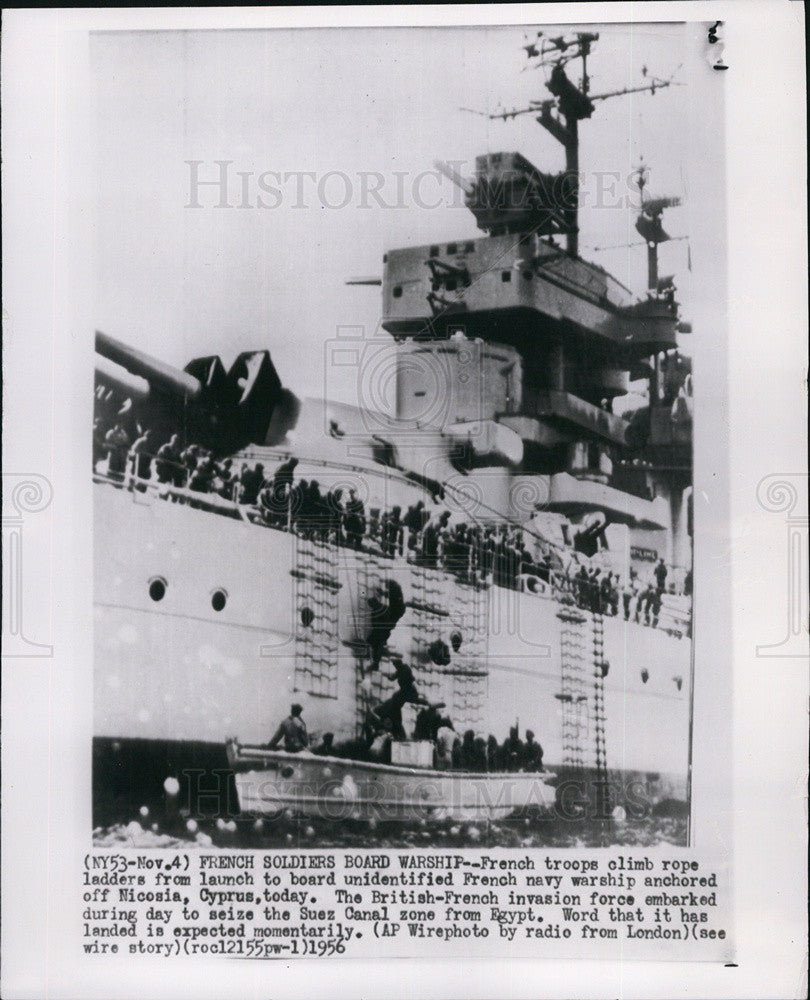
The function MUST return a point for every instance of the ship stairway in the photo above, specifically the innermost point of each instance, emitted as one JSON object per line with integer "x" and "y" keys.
{"x": 583, "y": 669}
{"x": 316, "y": 607}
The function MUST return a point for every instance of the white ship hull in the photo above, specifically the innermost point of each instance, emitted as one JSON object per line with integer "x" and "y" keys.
{"x": 178, "y": 671}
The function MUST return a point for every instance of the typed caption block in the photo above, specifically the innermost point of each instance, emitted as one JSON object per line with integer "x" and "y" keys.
{"x": 279, "y": 905}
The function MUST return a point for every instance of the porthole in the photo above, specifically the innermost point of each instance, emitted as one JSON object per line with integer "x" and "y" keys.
{"x": 397, "y": 291}
{"x": 157, "y": 588}
{"x": 219, "y": 599}
{"x": 506, "y": 276}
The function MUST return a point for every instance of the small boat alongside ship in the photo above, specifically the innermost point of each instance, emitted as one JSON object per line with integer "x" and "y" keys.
{"x": 270, "y": 783}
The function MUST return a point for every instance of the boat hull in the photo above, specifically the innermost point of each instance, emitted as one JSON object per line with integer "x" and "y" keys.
{"x": 272, "y": 783}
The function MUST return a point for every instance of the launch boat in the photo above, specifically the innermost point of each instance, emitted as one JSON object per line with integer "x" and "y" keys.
{"x": 519, "y": 543}
{"x": 269, "y": 783}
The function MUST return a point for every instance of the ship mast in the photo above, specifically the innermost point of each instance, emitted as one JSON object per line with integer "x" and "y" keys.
{"x": 569, "y": 105}
{"x": 573, "y": 104}
{"x": 649, "y": 225}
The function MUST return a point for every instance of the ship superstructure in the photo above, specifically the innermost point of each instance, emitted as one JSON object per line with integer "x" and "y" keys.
{"x": 510, "y": 534}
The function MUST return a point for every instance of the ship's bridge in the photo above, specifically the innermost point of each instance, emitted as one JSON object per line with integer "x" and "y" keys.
{"x": 524, "y": 284}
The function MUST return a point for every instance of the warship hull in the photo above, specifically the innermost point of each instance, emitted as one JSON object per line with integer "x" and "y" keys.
{"x": 223, "y": 651}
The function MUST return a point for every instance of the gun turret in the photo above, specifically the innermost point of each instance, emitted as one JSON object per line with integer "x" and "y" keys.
{"x": 510, "y": 195}
{"x": 468, "y": 187}
{"x": 203, "y": 403}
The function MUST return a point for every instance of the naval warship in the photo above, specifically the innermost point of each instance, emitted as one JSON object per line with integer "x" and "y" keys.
{"x": 512, "y": 541}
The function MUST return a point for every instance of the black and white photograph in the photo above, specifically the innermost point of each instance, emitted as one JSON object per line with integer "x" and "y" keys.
{"x": 405, "y": 533}
{"x": 392, "y": 437}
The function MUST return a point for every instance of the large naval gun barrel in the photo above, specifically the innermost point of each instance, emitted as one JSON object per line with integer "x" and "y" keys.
{"x": 223, "y": 410}
{"x": 158, "y": 374}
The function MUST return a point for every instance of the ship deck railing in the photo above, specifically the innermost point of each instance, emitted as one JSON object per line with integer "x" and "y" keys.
{"x": 493, "y": 569}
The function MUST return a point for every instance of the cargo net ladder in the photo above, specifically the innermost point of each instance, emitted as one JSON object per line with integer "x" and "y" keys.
{"x": 371, "y": 686}
{"x": 429, "y": 617}
{"x": 470, "y": 677}
{"x": 603, "y": 799}
{"x": 573, "y": 694}
{"x": 316, "y": 619}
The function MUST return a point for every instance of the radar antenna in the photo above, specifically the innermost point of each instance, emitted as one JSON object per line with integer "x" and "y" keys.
{"x": 569, "y": 104}
{"x": 651, "y": 229}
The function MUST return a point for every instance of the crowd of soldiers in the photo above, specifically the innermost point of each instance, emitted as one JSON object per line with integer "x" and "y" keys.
{"x": 473, "y": 552}
{"x": 468, "y": 752}
{"x": 465, "y": 752}
{"x": 602, "y": 592}
{"x": 281, "y": 500}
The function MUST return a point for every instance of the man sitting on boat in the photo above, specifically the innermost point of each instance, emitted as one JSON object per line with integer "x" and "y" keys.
{"x": 532, "y": 754}
{"x": 448, "y": 747}
{"x": 326, "y": 747}
{"x": 292, "y": 730}
{"x": 407, "y": 694}
{"x": 428, "y": 722}
{"x": 512, "y": 751}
